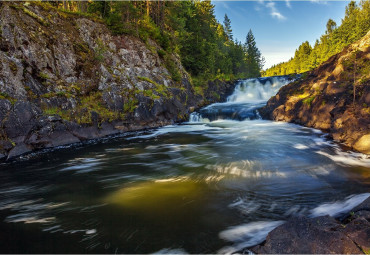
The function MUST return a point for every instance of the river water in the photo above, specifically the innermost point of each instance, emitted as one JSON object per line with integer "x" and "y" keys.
{"x": 213, "y": 185}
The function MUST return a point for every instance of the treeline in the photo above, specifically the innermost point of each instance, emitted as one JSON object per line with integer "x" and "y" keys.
{"x": 355, "y": 25}
{"x": 188, "y": 28}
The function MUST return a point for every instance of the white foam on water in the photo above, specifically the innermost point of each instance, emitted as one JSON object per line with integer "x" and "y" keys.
{"x": 252, "y": 90}
{"x": 247, "y": 235}
{"x": 245, "y": 169}
{"x": 174, "y": 129}
{"x": 299, "y": 146}
{"x": 347, "y": 158}
{"x": 337, "y": 208}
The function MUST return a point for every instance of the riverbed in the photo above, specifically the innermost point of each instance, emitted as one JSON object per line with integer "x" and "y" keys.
{"x": 217, "y": 183}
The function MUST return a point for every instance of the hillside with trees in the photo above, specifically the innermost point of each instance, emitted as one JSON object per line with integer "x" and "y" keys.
{"x": 355, "y": 25}
{"x": 84, "y": 70}
{"x": 188, "y": 28}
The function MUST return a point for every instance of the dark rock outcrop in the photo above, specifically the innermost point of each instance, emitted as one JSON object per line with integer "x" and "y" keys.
{"x": 323, "y": 98}
{"x": 321, "y": 235}
{"x": 65, "y": 78}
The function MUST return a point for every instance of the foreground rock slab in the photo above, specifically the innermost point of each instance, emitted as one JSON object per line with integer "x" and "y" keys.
{"x": 321, "y": 235}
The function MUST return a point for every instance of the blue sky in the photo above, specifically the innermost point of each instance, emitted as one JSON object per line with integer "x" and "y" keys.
{"x": 280, "y": 26}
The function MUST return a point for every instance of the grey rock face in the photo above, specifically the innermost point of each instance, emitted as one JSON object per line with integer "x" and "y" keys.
{"x": 65, "y": 79}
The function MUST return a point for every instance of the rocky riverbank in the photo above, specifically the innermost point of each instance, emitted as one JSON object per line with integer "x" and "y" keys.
{"x": 324, "y": 98}
{"x": 321, "y": 235}
{"x": 64, "y": 78}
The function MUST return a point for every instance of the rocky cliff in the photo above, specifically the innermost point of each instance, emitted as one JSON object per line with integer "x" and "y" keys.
{"x": 324, "y": 98}
{"x": 65, "y": 78}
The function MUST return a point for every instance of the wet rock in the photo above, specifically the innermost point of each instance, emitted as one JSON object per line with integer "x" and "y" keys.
{"x": 21, "y": 120}
{"x": 358, "y": 230}
{"x": 320, "y": 235}
{"x": 363, "y": 144}
{"x": 18, "y": 150}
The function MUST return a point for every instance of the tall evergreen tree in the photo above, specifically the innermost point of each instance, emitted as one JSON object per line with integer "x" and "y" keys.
{"x": 227, "y": 26}
{"x": 254, "y": 59}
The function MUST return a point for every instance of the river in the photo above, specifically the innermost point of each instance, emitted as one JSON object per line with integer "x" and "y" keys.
{"x": 215, "y": 184}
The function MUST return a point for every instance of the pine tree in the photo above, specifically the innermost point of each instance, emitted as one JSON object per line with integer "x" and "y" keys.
{"x": 227, "y": 26}
{"x": 254, "y": 59}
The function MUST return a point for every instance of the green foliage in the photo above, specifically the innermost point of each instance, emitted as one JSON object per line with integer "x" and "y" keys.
{"x": 355, "y": 25}
{"x": 172, "y": 68}
{"x": 130, "y": 105}
{"x": 186, "y": 28}
{"x": 7, "y": 97}
{"x": 154, "y": 93}
{"x": 35, "y": 16}
{"x": 44, "y": 76}
{"x": 100, "y": 50}
{"x": 308, "y": 100}
{"x": 254, "y": 59}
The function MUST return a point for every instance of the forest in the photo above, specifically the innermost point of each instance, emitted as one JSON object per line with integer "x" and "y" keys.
{"x": 355, "y": 24}
{"x": 188, "y": 28}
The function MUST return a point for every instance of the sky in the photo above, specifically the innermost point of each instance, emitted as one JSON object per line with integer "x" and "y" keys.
{"x": 279, "y": 27}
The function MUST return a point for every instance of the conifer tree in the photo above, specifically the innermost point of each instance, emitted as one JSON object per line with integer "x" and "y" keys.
{"x": 227, "y": 26}
{"x": 254, "y": 59}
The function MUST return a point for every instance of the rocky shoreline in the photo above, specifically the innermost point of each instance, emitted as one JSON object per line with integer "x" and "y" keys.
{"x": 328, "y": 99}
{"x": 65, "y": 79}
{"x": 349, "y": 234}
{"x": 34, "y": 131}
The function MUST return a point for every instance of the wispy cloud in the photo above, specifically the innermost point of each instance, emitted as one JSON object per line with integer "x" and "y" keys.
{"x": 226, "y": 6}
{"x": 319, "y": 1}
{"x": 274, "y": 12}
{"x": 287, "y": 2}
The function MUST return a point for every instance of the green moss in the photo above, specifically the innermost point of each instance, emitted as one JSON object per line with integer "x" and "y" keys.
{"x": 308, "y": 100}
{"x": 44, "y": 76}
{"x": 13, "y": 67}
{"x": 48, "y": 95}
{"x": 82, "y": 112}
{"x": 35, "y": 16}
{"x": 130, "y": 106}
{"x": 100, "y": 50}
{"x": 5, "y": 96}
{"x": 63, "y": 94}
{"x": 155, "y": 92}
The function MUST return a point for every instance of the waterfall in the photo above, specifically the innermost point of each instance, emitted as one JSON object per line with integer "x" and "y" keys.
{"x": 249, "y": 95}
{"x": 256, "y": 90}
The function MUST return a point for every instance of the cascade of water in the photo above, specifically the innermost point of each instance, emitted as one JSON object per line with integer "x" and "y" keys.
{"x": 249, "y": 95}
{"x": 260, "y": 89}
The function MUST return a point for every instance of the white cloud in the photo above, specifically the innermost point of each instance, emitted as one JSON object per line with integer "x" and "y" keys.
{"x": 274, "y": 12}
